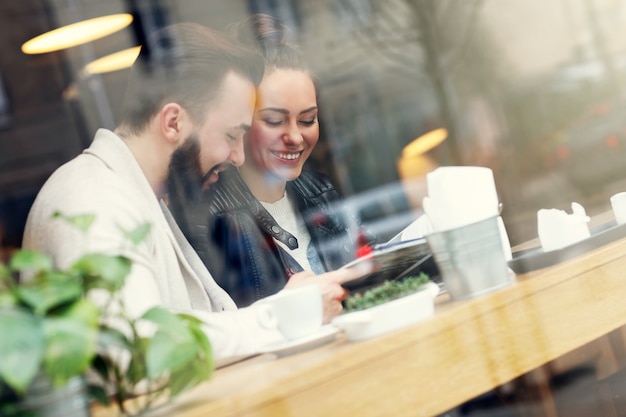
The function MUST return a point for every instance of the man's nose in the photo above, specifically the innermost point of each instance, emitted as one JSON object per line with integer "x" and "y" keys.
{"x": 237, "y": 155}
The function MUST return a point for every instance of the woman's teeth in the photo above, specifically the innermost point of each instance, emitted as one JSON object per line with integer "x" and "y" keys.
{"x": 287, "y": 155}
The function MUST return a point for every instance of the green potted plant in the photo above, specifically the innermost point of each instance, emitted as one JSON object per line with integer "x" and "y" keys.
{"x": 387, "y": 307}
{"x": 53, "y": 334}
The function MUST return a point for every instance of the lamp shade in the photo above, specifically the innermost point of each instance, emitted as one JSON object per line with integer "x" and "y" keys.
{"x": 113, "y": 62}
{"x": 424, "y": 143}
{"x": 77, "y": 33}
{"x": 415, "y": 163}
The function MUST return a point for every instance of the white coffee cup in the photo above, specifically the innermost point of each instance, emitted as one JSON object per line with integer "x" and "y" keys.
{"x": 299, "y": 311}
{"x": 460, "y": 195}
{"x": 618, "y": 204}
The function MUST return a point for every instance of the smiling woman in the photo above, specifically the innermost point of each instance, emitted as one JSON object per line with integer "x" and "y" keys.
{"x": 270, "y": 218}
{"x": 284, "y": 132}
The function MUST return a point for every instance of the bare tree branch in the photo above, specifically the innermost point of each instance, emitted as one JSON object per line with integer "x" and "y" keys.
{"x": 467, "y": 37}
{"x": 372, "y": 42}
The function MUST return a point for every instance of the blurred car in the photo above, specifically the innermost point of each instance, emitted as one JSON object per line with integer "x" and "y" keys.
{"x": 382, "y": 211}
{"x": 376, "y": 216}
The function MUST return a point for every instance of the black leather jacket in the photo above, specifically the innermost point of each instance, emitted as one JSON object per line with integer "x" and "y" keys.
{"x": 234, "y": 234}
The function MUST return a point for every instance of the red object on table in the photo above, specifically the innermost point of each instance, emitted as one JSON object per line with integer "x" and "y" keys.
{"x": 363, "y": 251}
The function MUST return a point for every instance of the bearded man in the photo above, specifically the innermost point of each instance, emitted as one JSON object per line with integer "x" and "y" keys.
{"x": 184, "y": 116}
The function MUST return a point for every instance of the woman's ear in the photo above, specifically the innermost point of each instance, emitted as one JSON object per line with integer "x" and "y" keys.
{"x": 172, "y": 119}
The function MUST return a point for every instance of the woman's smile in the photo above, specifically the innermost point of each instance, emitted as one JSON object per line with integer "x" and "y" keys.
{"x": 288, "y": 156}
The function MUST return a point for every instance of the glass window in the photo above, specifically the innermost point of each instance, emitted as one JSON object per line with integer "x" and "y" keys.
{"x": 533, "y": 90}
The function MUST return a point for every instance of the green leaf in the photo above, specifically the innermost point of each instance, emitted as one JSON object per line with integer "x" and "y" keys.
{"x": 138, "y": 234}
{"x": 198, "y": 369}
{"x": 70, "y": 347}
{"x": 28, "y": 260}
{"x": 103, "y": 271}
{"x": 137, "y": 370}
{"x": 190, "y": 319}
{"x": 82, "y": 221}
{"x": 181, "y": 348}
{"x": 5, "y": 274}
{"x": 169, "y": 351}
{"x": 195, "y": 326}
{"x": 204, "y": 364}
{"x": 21, "y": 348}
{"x": 85, "y": 311}
{"x": 7, "y": 296}
{"x": 164, "y": 318}
{"x": 110, "y": 338}
{"x": 7, "y": 299}
{"x": 183, "y": 379}
{"x": 44, "y": 294}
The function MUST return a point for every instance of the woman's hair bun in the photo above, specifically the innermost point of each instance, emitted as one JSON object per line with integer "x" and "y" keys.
{"x": 262, "y": 30}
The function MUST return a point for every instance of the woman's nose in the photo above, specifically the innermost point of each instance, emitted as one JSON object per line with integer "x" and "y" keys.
{"x": 293, "y": 136}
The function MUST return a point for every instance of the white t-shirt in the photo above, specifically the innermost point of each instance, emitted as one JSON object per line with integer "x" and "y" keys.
{"x": 287, "y": 216}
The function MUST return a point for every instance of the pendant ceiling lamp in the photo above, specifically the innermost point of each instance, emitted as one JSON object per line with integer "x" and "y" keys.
{"x": 415, "y": 162}
{"x": 113, "y": 62}
{"x": 77, "y": 33}
{"x": 425, "y": 143}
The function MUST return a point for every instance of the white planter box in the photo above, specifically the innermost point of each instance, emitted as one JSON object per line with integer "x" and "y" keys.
{"x": 387, "y": 317}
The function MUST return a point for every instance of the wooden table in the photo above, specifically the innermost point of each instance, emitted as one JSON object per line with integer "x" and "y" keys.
{"x": 466, "y": 349}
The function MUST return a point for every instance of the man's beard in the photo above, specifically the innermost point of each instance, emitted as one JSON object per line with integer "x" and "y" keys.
{"x": 185, "y": 177}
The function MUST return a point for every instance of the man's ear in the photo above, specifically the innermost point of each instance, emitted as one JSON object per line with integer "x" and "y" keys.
{"x": 172, "y": 119}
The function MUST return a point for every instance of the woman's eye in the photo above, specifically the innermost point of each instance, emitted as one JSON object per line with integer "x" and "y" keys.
{"x": 231, "y": 137}
{"x": 273, "y": 122}
{"x": 309, "y": 122}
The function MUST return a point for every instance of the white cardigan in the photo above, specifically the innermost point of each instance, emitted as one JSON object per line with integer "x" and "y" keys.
{"x": 106, "y": 180}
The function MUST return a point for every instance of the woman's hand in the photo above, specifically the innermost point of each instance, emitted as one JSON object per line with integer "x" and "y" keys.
{"x": 330, "y": 285}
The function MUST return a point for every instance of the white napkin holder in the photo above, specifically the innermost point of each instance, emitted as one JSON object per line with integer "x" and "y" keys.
{"x": 558, "y": 229}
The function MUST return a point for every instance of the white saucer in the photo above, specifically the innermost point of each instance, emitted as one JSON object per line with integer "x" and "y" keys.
{"x": 325, "y": 335}
{"x": 219, "y": 363}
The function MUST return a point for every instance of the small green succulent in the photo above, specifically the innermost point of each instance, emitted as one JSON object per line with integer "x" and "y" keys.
{"x": 387, "y": 291}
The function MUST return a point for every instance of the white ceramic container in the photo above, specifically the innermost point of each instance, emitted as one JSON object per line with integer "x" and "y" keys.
{"x": 387, "y": 317}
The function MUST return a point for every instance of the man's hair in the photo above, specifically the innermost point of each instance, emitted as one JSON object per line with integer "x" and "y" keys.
{"x": 184, "y": 63}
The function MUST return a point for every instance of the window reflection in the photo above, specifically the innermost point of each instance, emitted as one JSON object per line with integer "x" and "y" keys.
{"x": 532, "y": 90}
